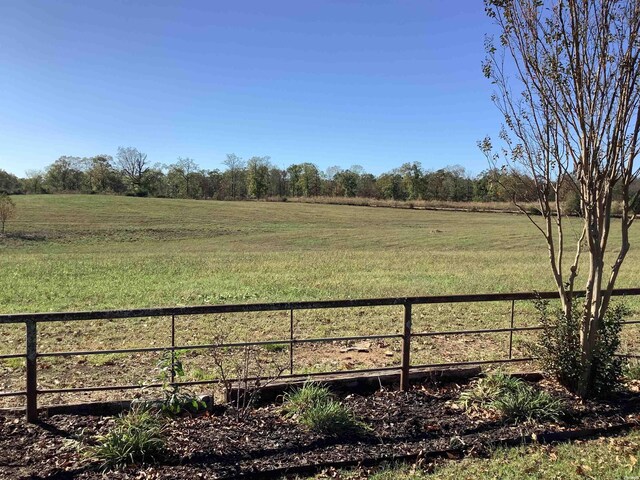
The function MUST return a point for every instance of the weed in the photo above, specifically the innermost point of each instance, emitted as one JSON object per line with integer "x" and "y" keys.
{"x": 12, "y": 362}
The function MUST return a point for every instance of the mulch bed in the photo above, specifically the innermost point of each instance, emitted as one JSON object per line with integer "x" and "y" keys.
{"x": 409, "y": 424}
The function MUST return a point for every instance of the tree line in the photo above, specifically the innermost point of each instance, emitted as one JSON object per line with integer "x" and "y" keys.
{"x": 132, "y": 173}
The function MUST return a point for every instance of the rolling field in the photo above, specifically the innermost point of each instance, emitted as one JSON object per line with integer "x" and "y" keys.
{"x": 73, "y": 252}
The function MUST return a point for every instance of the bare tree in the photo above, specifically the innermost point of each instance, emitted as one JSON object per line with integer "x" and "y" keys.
{"x": 133, "y": 164}
{"x": 7, "y": 210}
{"x": 245, "y": 372}
{"x": 567, "y": 78}
{"x": 187, "y": 167}
{"x": 234, "y": 163}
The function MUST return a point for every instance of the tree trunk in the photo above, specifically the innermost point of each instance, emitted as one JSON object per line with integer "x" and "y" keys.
{"x": 591, "y": 322}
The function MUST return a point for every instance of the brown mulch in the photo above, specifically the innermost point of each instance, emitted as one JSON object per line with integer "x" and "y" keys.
{"x": 425, "y": 419}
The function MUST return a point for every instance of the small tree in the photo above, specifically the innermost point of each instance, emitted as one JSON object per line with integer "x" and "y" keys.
{"x": 7, "y": 210}
{"x": 567, "y": 76}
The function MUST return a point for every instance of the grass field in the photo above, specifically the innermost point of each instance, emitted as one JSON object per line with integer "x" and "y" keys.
{"x": 603, "y": 458}
{"x": 73, "y": 252}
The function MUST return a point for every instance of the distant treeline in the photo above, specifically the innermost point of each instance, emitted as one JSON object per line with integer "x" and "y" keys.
{"x": 131, "y": 173}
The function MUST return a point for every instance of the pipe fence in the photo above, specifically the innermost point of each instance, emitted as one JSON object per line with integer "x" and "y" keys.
{"x": 31, "y": 321}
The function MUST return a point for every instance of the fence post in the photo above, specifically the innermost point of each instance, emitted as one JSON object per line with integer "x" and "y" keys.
{"x": 513, "y": 303}
{"x": 32, "y": 380}
{"x": 173, "y": 349}
{"x": 291, "y": 343}
{"x": 406, "y": 349}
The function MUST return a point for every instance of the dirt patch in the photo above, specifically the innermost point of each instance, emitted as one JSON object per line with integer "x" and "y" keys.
{"x": 223, "y": 446}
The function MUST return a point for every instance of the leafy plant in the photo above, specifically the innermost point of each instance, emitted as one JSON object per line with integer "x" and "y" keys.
{"x": 487, "y": 389}
{"x": 137, "y": 437}
{"x": 176, "y": 400}
{"x": 512, "y": 398}
{"x": 526, "y": 403}
{"x": 559, "y": 348}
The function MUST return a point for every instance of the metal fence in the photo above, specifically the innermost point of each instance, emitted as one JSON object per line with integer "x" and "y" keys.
{"x": 31, "y": 321}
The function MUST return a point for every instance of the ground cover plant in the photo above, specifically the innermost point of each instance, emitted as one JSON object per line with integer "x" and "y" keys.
{"x": 313, "y": 406}
{"x": 136, "y": 437}
{"x": 512, "y": 398}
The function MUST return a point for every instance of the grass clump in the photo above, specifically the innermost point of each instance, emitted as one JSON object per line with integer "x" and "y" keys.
{"x": 330, "y": 418}
{"x": 314, "y": 406}
{"x": 137, "y": 437}
{"x": 514, "y": 399}
{"x": 301, "y": 399}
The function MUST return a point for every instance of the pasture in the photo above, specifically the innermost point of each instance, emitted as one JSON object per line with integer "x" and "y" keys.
{"x": 75, "y": 252}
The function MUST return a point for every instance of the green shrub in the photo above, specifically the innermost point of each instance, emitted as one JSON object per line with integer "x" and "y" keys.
{"x": 558, "y": 349}
{"x": 571, "y": 204}
{"x": 137, "y": 437}
{"x": 616, "y": 208}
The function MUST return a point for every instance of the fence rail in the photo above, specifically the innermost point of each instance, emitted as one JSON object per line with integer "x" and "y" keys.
{"x": 31, "y": 320}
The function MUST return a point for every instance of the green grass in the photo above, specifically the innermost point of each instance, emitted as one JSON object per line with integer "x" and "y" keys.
{"x": 603, "y": 459}
{"x": 113, "y": 252}
{"x": 305, "y": 397}
{"x": 77, "y": 252}
{"x": 331, "y": 418}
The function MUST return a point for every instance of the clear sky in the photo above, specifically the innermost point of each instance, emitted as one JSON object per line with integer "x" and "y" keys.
{"x": 374, "y": 83}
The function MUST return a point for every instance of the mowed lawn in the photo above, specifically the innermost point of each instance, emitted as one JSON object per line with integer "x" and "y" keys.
{"x": 80, "y": 252}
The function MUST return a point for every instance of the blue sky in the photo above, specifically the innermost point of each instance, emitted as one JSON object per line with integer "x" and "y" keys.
{"x": 374, "y": 83}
